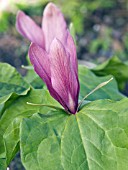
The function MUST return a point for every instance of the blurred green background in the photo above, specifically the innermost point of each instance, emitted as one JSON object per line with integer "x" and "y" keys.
{"x": 101, "y": 29}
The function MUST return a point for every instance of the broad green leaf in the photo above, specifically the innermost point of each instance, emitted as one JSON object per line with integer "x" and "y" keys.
{"x": 14, "y": 108}
{"x": 12, "y": 116}
{"x": 32, "y": 150}
{"x": 96, "y": 138}
{"x": 115, "y": 67}
{"x": 11, "y": 85}
{"x": 11, "y": 81}
{"x": 88, "y": 81}
{"x": 11, "y": 138}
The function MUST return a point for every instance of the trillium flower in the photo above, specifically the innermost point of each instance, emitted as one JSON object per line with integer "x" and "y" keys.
{"x": 53, "y": 54}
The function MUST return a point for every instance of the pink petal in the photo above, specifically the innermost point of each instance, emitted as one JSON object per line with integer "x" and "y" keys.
{"x": 29, "y": 29}
{"x": 40, "y": 60}
{"x": 63, "y": 77}
{"x": 71, "y": 48}
{"x": 54, "y": 25}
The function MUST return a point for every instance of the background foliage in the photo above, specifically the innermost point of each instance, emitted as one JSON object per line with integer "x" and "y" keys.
{"x": 101, "y": 28}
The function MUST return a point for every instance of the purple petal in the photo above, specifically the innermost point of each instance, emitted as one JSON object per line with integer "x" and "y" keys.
{"x": 40, "y": 60}
{"x": 29, "y": 29}
{"x": 54, "y": 25}
{"x": 63, "y": 77}
{"x": 71, "y": 48}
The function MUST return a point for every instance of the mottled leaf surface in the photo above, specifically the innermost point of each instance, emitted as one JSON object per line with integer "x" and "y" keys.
{"x": 13, "y": 115}
{"x": 93, "y": 139}
{"x": 50, "y": 138}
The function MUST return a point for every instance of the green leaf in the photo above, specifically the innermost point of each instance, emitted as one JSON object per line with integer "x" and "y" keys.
{"x": 11, "y": 81}
{"x": 32, "y": 149}
{"x": 96, "y": 138}
{"x": 11, "y": 139}
{"x": 13, "y": 115}
{"x": 88, "y": 81}
{"x": 14, "y": 106}
{"x": 115, "y": 67}
{"x": 3, "y": 100}
{"x": 2, "y": 164}
{"x": 11, "y": 85}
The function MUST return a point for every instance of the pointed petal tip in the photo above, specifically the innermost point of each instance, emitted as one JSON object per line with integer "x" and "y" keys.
{"x": 19, "y": 12}
{"x": 51, "y": 4}
{"x": 29, "y": 29}
{"x": 56, "y": 45}
{"x": 50, "y": 9}
{"x": 34, "y": 48}
{"x": 19, "y": 16}
{"x": 53, "y": 24}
